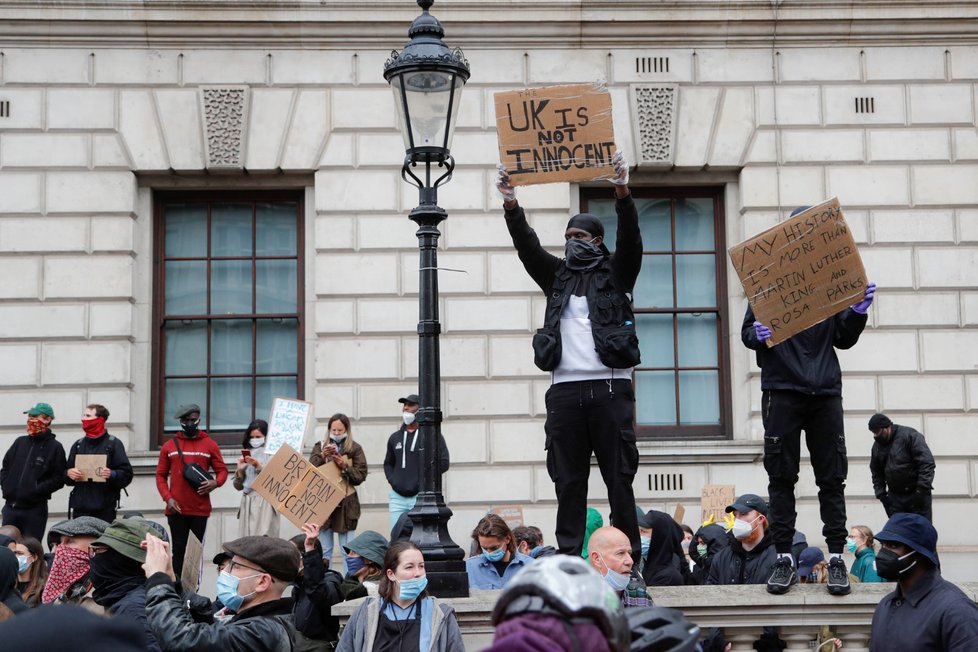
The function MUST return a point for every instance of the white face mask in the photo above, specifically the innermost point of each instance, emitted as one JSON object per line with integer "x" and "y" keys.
{"x": 741, "y": 529}
{"x": 408, "y": 418}
{"x": 257, "y": 443}
{"x": 338, "y": 438}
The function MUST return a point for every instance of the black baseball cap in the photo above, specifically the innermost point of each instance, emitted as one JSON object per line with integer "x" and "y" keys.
{"x": 749, "y": 502}
{"x": 410, "y": 398}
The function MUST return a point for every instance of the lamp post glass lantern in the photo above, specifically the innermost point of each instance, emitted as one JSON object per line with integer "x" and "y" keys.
{"x": 427, "y": 79}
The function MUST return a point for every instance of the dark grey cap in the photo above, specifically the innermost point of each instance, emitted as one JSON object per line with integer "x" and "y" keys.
{"x": 410, "y": 398}
{"x": 185, "y": 410}
{"x": 277, "y": 557}
{"x": 82, "y": 526}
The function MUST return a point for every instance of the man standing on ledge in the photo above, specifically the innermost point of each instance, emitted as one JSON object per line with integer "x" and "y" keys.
{"x": 801, "y": 385}
{"x": 589, "y": 344}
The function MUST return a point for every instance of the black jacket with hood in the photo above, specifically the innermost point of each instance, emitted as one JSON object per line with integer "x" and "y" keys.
{"x": 33, "y": 469}
{"x": 734, "y": 565}
{"x": 97, "y": 496}
{"x": 665, "y": 564}
{"x": 402, "y": 463}
{"x": 716, "y": 539}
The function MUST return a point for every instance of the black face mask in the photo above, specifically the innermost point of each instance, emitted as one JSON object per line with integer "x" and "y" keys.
{"x": 891, "y": 567}
{"x": 114, "y": 575}
{"x": 582, "y": 255}
{"x": 189, "y": 428}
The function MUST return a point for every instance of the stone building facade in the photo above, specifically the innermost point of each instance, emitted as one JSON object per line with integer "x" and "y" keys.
{"x": 121, "y": 121}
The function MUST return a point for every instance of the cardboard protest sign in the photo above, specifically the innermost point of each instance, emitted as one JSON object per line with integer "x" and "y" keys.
{"x": 297, "y": 489}
{"x": 555, "y": 133}
{"x": 679, "y": 514}
{"x": 512, "y": 514}
{"x": 714, "y": 501}
{"x": 335, "y": 475}
{"x": 801, "y": 271}
{"x": 190, "y": 573}
{"x": 90, "y": 465}
{"x": 288, "y": 423}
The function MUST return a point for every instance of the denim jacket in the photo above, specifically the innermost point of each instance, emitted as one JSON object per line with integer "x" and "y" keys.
{"x": 483, "y": 575}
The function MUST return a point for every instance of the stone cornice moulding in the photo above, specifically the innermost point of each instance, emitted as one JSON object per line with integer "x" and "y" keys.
{"x": 476, "y": 23}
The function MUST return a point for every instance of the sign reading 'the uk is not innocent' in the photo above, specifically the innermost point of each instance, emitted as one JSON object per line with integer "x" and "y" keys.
{"x": 801, "y": 271}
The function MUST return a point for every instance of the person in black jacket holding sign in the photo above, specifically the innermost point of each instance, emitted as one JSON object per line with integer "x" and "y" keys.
{"x": 589, "y": 344}
{"x": 801, "y": 385}
{"x": 902, "y": 467}
{"x": 98, "y": 499}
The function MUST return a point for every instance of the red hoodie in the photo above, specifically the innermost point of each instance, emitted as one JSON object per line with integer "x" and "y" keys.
{"x": 204, "y": 451}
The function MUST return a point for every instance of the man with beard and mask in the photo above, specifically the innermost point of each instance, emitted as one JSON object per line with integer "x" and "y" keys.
{"x": 98, "y": 499}
{"x": 749, "y": 557}
{"x": 69, "y": 579}
{"x": 589, "y": 344}
{"x": 259, "y": 571}
{"x": 187, "y": 509}
{"x": 925, "y": 611}
{"x": 610, "y": 553}
{"x": 902, "y": 467}
{"x": 33, "y": 469}
{"x": 118, "y": 579}
{"x": 402, "y": 463}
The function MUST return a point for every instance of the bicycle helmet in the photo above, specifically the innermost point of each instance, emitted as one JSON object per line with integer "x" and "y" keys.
{"x": 658, "y": 629}
{"x": 568, "y": 587}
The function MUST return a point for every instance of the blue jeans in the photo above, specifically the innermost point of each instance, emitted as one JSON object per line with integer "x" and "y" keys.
{"x": 400, "y": 504}
{"x": 326, "y": 541}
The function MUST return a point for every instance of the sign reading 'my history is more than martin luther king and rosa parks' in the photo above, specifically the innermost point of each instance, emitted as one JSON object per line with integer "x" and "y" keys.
{"x": 555, "y": 133}
{"x": 802, "y": 271}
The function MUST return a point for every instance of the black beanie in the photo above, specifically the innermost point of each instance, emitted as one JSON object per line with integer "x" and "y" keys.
{"x": 878, "y": 421}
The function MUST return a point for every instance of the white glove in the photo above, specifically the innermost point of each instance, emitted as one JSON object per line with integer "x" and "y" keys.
{"x": 621, "y": 170}
{"x": 503, "y": 184}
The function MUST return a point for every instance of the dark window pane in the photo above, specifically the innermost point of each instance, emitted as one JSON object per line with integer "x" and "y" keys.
{"x": 231, "y": 287}
{"x": 181, "y": 391}
{"x": 230, "y": 404}
{"x": 231, "y": 346}
{"x": 697, "y": 339}
{"x": 267, "y": 388}
{"x": 655, "y": 339}
{"x": 277, "y": 346}
{"x": 696, "y": 283}
{"x": 656, "y": 224}
{"x": 231, "y": 230}
{"x": 186, "y": 347}
{"x": 694, "y": 224}
{"x": 185, "y": 283}
{"x": 186, "y": 231}
{"x": 276, "y": 229}
{"x": 275, "y": 282}
{"x": 699, "y": 398}
{"x": 654, "y": 286}
{"x": 655, "y": 398}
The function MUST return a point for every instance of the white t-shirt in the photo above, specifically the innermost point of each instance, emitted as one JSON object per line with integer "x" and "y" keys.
{"x": 578, "y": 359}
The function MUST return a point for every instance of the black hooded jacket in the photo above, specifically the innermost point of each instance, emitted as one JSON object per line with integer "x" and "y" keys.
{"x": 734, "y": 565}
{"x": 33, "y": 469}
{"x": 9, "y": 595}
{"x": 97, "y": 496}
{"x": 315, "y": 592}
{"x": 665, "y": 565}
{"x": 716, "y": 539}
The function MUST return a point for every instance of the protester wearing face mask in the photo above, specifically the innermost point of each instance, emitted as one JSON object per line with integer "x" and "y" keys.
{"x": 589, "y": 344}
{"x": 499, "y": 561}
{"x": 33, "y": 469}
{"x": 925, "y": 611}
{"x": 259, "y": 571}
{"x": 9, "y": 596}
{"x": 256, "y": 516}
{"x": 860, "y": 543}
{"x": 347, "y": 457}
{"x": 529, "y": 541}
{"x": 90, "y": 498}
{"x": 403, "y": 616}
{"x": 187, "y": 507}
{"x": 69, "y": 580}
{"x": 749, "y": 557}
{"x": 315, "y": 591}
{"x": 610, "y": 553}
{"x": 365, "y": 563}
{"x": 709, "y": 540}
{"x": 665, "y": 562}
{"x": 402, "y": 463}
{"x": 32, "y": 572}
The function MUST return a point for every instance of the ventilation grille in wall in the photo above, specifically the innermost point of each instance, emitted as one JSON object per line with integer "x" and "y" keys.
{"x": 651, "y": 64}
{"x": 865, "y": 105}
{"x": 4, "y": 108}
{"x": 665, "y": 482}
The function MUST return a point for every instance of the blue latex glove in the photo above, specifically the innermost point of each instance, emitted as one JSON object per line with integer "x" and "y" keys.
{"x": 863, "y": 306}
{"x": 761, "y": 331}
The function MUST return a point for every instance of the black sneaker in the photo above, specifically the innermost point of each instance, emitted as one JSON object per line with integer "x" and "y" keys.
{"x": 783, "y": 575}
{"x": 838, "y": 577}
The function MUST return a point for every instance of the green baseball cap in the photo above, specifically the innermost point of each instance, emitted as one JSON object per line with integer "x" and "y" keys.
{"x": 125, "y": 536}
{"x": 41, "y": 408}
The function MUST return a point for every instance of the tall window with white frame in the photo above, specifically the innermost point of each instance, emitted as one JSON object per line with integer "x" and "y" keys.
{"x": 228, "y": 305}
{"x": 681, "y": 386}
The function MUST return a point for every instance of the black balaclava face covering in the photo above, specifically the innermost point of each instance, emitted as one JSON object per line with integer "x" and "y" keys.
{"x": 583, "y": 255}
{"x": 113, "y": 576}
{"x": 190, "y": 427}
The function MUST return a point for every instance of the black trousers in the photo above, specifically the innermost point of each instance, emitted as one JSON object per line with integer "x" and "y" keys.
{"x": 180, "y": 528}
{"x": 586, "y": 416}
{"x": 913, "y": 503}
{"x": 107, "y": 515}
{"x": 785, "y": 414}
{"x": 31, "y": 521}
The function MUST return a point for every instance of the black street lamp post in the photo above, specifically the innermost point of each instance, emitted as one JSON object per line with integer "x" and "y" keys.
{"x": 427, "y": 79}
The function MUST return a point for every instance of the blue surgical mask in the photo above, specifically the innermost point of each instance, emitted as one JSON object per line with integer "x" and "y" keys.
{"x": 495, "y": 555}
{"x": 617, "y": 581}
{"x": 851, "y": 544}
{"x": 410, "y": 589}
{"x": 646, "y": 544}
{"x": 23, "y": 563}
{"x": 227, "y": 590}
{"x": 354, "y": 565}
